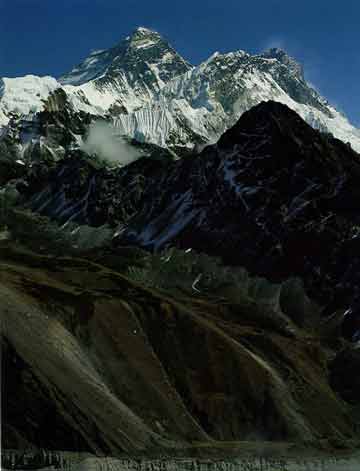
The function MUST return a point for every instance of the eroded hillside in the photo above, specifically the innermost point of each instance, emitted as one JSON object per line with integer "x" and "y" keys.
{"x": 93, "y": 360}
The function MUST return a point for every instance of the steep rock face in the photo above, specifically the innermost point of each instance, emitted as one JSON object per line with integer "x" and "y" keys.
{"x": 145, "y": 59}
{"x": 44, "y": 136}
{"x": 95, "y": 352}
{"x": 125, "y": 77}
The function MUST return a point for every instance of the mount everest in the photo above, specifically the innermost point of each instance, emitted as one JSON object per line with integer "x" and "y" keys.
{"x": 151, "y": 94}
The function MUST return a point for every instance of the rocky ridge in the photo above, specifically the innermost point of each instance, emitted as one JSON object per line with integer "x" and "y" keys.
{"x": 282, "y": 196}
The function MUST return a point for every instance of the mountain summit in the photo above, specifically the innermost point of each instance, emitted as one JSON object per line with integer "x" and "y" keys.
{"x": 284, "y": 58}
{"x": 144, "y": 59}
{"x": 149, "y": 93}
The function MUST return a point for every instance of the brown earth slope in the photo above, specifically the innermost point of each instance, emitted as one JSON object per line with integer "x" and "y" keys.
{"x": 93, "y": 361}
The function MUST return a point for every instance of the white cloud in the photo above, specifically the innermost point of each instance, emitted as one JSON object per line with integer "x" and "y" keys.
{"x": 103, "y": 141}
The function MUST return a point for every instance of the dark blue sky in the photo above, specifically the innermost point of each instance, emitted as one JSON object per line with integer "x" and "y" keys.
{"x": 50, "y": 36}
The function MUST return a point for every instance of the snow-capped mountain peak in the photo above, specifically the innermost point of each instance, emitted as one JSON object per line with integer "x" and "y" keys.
{"x": 282, "y": 56}
{"x": 122, "y": 79}
{"x": 142, "y": 38}
{"x": 144, "y": 30}
{"x": 141, "y": 32}
{"x": 132, "y": 57}
{"x": 150, "y": 93}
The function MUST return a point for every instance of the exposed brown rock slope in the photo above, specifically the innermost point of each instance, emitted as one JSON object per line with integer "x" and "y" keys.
{"x": 93, "y": 361}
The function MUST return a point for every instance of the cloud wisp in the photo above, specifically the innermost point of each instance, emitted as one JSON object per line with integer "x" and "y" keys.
{"x": 103, "y": 141}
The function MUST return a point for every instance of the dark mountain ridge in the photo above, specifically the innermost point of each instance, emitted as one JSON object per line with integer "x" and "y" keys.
{"x": 273, "y": 195}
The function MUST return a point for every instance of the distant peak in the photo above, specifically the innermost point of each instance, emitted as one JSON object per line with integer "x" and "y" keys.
{"x": 284, "y": 58}
{"x": 266, "y": 117}
{"x": 140, "y": 31}
{"x": 143, "y": 37}
{"x": 279, "y": 54}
